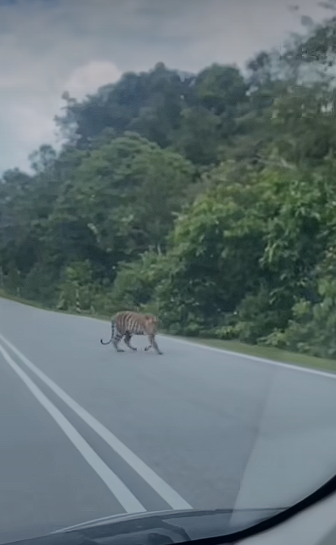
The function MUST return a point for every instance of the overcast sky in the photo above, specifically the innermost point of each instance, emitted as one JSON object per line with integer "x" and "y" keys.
{"x": 48, "y": 46}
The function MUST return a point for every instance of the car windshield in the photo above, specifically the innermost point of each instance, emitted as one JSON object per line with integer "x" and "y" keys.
{"x": 167, "y": 189}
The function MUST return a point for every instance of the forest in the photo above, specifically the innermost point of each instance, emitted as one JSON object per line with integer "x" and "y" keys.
{"x": 207, "y": 198}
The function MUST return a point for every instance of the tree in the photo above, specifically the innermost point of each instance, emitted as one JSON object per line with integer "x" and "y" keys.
{"x": 213, "y": 257}
{"x": 208, "y": 198}
{"x": 148, "y": 103}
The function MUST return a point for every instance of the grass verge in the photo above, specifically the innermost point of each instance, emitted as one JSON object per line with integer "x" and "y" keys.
{"x": 294, "y": 358}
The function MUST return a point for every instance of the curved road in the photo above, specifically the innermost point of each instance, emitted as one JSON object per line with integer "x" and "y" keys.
{"x": 86, "y": 432}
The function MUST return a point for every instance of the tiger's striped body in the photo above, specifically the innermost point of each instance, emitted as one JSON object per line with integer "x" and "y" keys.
{"x": 125, "y": 324}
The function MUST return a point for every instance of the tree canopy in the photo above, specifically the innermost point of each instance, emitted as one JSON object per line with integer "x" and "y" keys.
{"x": 209, "y": 198}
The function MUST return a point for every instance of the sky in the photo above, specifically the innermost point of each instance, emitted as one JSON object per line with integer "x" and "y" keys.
{"x": 49, "y": 46}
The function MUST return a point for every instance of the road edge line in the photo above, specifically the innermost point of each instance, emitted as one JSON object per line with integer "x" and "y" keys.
{"x": 259, "y": 359}
{"x": 291, "y": 366}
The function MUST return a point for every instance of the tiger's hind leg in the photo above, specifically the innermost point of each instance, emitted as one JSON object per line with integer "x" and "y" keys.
{"x": 127, "y": 341}
{"x": 116, "y": 341}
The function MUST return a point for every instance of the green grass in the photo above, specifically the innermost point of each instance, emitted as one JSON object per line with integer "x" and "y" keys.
{"x": 274, "y": 354}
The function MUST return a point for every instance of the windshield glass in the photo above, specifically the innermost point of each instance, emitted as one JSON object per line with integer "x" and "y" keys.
{"x": 167, "y": 189}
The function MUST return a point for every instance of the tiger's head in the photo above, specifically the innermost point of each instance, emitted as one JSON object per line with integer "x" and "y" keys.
{"x": 152, "y": 323}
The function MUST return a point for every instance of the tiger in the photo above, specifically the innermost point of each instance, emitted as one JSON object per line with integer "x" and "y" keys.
{"x": 127, "y": 323}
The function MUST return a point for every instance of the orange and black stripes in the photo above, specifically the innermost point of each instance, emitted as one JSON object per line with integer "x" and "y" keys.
{"x": 126, "y": 324}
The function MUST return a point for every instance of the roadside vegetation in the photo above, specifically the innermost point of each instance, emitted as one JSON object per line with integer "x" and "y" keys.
{"x": 207, "y": 198}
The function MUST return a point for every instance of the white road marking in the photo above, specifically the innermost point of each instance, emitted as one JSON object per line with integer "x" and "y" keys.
{"x": 293, "y": 367}
{"x": 168, "y": 494}
{"x": 290, "y": 366}
{"x": 110, "y": 479}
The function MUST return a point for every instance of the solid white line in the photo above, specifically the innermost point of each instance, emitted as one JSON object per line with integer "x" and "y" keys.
{"x": 113, "y": 483}
{"x": 292, "y": 367}
{"x": 224, "y": 351}
{"x": 152, "y": 479}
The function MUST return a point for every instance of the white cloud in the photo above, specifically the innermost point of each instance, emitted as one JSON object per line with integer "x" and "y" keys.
{"x": 32, "y": 126}
{"x": 87, "y": 78}
{"x": 48, "y": 46}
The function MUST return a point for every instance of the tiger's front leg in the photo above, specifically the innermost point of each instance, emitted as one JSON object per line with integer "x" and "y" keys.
{"x": 153, "y": 344}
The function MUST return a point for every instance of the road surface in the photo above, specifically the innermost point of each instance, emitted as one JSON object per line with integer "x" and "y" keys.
{"x": 86, "y": 432}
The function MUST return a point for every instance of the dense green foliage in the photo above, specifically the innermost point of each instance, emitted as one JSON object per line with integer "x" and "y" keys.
{"x": 208, "y": 198}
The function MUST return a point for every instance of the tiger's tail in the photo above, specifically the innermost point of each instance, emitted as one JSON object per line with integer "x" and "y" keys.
{"x": 112, "y": 334}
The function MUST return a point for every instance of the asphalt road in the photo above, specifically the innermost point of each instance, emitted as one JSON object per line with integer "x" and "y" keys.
{"x": 86, "y": 432}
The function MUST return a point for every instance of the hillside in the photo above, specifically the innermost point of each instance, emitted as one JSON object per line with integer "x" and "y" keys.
{"x": 209, "y": 198}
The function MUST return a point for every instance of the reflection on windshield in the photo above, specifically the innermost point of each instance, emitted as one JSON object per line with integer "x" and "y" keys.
{"x": 294, "y": 449}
